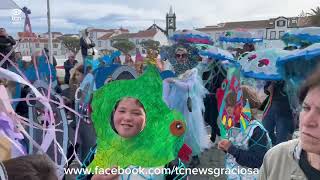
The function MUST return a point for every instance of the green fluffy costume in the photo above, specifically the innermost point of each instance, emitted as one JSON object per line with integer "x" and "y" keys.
{"x": 156, "y": 145}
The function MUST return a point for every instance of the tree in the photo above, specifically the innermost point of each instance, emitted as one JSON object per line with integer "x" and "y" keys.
{"x": 123, "y": 45}
{"x": 150, "y": 44}
{"x": 315, "y": 16}
{"x": 71, "y": 43}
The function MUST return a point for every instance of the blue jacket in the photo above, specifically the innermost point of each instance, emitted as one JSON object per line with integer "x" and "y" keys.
{"x": 253, "y": 157}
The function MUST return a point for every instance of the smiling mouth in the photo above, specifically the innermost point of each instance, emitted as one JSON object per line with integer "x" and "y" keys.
{"x": 127, "y": 125}
{"x": 309, "y": 135}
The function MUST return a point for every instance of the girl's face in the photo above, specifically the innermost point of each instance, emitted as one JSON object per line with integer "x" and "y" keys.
{"x": 310, "y": 122}
{"x": 78, "y": 76}
{"x": 129, "y": 118}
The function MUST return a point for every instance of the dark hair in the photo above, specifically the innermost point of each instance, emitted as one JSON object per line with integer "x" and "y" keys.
{"x": 116, "y": 106}
{"x": 31, "y": 167}
{"x": 311, "y": 82}
{"x": 80, "y": 68}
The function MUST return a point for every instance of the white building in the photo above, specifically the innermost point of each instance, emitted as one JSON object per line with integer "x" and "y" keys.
{"x": 101, "y": 37}
{"x": 152, "y": 33}
{"x": 30, "y": 42}
{"x": 270, "y": 30}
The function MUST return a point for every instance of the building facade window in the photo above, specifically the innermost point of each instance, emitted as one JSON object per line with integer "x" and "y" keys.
{"x": 37, "y": 45}
{"x": 55, "y": 53}
{"x": 137, "y": 41}
{"x": 273, "y": 35}
{"x": 281, "y": 23}
{"x": 55, "y": 45}
{"x": 281, "y": 33}
{"x": 99, "y": 43}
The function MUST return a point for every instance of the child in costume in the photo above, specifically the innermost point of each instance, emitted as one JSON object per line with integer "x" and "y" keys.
{"x": 87, "y": 135}
{"x": 185, "y": 94}
{"x": 248, "y": 140}
{"x": 130, "y": 132}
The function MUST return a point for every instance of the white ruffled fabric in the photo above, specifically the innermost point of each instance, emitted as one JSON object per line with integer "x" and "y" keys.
{"x": 176, "y": 95}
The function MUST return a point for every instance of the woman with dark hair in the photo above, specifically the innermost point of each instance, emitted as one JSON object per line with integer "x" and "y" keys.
{"x": 31, "y": 167}
{"x": 6, "y": 45}
{"x": 299, "y": 158}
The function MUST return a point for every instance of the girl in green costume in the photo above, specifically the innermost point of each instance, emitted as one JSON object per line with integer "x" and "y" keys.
{"x": 143, "y": 131}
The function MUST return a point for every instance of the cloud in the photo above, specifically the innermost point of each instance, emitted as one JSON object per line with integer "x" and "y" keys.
{"x": 138, "y": 14}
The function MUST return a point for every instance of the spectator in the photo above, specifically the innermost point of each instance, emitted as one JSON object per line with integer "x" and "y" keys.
{"x": 6, "y": 45}
{"x": 86, "y": 44}
{"x": 32, "y": 167}
{"x": 54, "y": 61}
{"x": 299, "y": 158}
{"x": 68, "y": 65}
{"x": 279, "y": 115}
{"x": 18, "y": 57}
{"x": 128, "y": 60}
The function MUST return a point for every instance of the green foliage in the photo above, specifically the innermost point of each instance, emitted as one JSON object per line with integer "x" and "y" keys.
{"x": 123, "y": 45}
{"x": 315, "y": 16}
{"x": 71, "y": 43}
{"x": 150, "y": 44}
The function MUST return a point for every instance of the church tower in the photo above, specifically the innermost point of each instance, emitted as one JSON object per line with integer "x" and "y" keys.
{"x": 170, "y": 22}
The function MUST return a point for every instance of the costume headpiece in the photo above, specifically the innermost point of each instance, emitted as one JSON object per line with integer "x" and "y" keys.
{"x": 156, "y": 145}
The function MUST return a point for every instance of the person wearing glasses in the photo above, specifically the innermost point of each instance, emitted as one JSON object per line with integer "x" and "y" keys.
{"x": 181, "y": 62}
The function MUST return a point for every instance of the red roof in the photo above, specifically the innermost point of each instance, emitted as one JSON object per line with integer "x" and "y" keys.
{"x": 26, "y": 34}
{"x": 259, "y": 24}
{"x": 106, "y": 36}
{"x": 146, "y": 33}
{"x": 240, "y": 24}
{"x": 39, "y": 40}
{"x": 100, "y": 30}
{"x": 124, "y": 30}
{"x": 109, "y": 30}
{"x": 140, "y": 34}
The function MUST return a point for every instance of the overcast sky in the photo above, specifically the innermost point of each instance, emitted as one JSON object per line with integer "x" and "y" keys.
{"x": 68, "y": 16}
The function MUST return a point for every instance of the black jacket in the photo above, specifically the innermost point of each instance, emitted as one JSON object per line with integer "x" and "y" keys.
{"x": 84, "y": 46}
{"x": 6, "y": 44}
{"x": 67, "y": 67}
{"x": 253, "y": 157}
